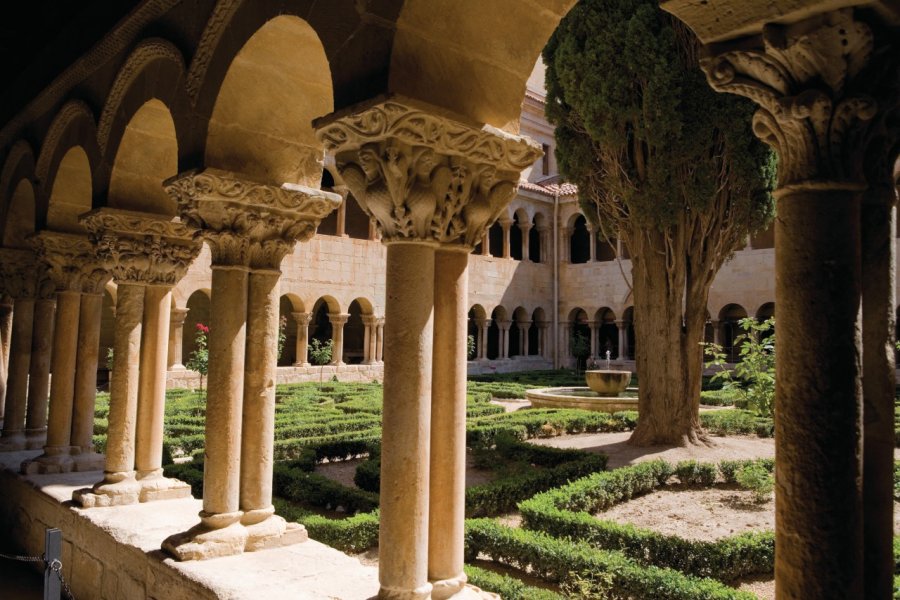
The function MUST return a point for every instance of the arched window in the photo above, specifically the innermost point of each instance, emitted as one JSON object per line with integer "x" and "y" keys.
{"x": 580, "y": 242}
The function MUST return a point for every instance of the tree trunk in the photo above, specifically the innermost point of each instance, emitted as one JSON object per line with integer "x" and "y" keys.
{"x": 670, "y": 310}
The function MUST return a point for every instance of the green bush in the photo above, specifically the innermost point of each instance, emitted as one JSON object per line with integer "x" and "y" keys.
{"x": 315, "y": 490}
{"x": 756, "y": 479}
{"x": 561, "y": 561}
{"x": 729, "y": 468}
{"x": 509, "y": 588}
{"x": 353, "y": 534}
{"x": 690, "y": 472}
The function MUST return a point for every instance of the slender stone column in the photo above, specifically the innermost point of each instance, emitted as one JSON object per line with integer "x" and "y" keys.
{"x": 565, "y": 241}
{"x": 507, "y": 247}
{"x": 302, "y": 320}
{"x": 6, "y": 319}
{"x": 486, "y": 245}
{"x": 448, "y": 430}
{"x": 373, "y": 229}
{"x": 504, "y": 339}
{"x": 39, "y": 376}
{"x": 523, "y": 337}
{"x": 717, "y": 331}
{"x": 83, "y": 455}
{"x": 543, "y": 237}
{"x": 816, "y": 83}
{"x": 367, "y": 143}
{"x": 177, "y": 317}
{"x": 337, "y": 320}
{"x": 13, "y": 436}
{"x": 623, "y": 339}
{"x": 249, "y": 227}
{"x": 543, "y": 349}
{"x": 379, "y": 341}
{"x": 592, "y": 236}
{"x": 370, "y": 321}
{"x": 485, "y": 330}
{"x": 526, "y": 230}
{"x": 595, "y": 338}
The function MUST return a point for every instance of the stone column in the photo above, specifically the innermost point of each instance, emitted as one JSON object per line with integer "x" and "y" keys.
{"x": 595, "y": 338}
{"x": 6, "y": 319}
{"x": 543, "y": 349}
{"x": 39, "y": 376}
{"x": 623, "y": 339}
{"x": 592, "y": 236}
{"x": 565, "y": 241}
{"x": 543, "y": 239}
{"x": 523, "y": 338}
{"x": 717, "y": 331}
{"x": 566, "y": 330}
{"x": 526, "y": 229}
{"x": 485, "y": 330}
{"x": 817, "y": 92}
{"x": 337, "y": 320}
{"x": 13, "y": 436}
{"x": 368, "y": 144}
{"x": 65, "y": 255}
{"x": 177, "y": 317}
{"x": 146, "y": 255}
{"x": 341, "y": 221}
{"x": 506, "y": 225}
{"x": 504, "y": 339}
{"x": 302, "y": 319}
{"x": 486, "y": 245}
{"x": 83, "y": 455}
{"x": 370, "y": 338}
{"x": 249, "y": 227}
{"x": 379, "y": 341}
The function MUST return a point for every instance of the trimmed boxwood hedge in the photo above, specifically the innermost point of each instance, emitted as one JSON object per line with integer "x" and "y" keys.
{"x": 509, "y": 588}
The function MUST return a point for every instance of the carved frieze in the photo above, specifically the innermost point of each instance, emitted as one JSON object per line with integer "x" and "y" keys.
{"x": 422, "y": 175}
{"x": 17, "y": 273}
{"x": 246, "y": 222}
{"x": 141, "y": 248}
{"x": 814, "y": 106}
{"x": 65, "y": 256}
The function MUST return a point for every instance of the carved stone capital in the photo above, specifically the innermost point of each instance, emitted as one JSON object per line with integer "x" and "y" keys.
{"x": 246, "y": 222}
{"x": 301, "y": 318}
{"x": 69, "y": 259}
{"x": 177, "y": 316}
{"x": 17, "y": 273}
{"x": 804, "y": 77}
{"x": 338, "y": 318}
{"x": 424, "y": 175}
{"x": 141, "y": 248}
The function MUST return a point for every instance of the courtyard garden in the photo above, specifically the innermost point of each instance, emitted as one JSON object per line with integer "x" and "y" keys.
{"x": 558, "y": 503}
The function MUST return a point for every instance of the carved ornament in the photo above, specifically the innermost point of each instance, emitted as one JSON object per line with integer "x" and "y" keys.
{"x": 812, "y": 110}
{"x": 246, "y": 222}
{"x": 17, "y": 273}
{"x": 66, "y": 256}
{"x": 141, "y": 248}
{"x": 425, "y": 176}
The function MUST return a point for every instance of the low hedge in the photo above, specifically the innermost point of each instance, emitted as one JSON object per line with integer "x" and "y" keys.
{"x": 315, "y": 490}
{"x": 732, "y": 421}
{"x": 561, "y": 561}
{"x": 353, "y": 534}
{"x": 567, "y": 512}
{"x": 509, "y": 588}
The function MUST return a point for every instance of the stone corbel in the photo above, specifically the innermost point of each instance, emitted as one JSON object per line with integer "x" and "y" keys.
{"x": 247, "y": 222}
{"x": 423, "y": 174}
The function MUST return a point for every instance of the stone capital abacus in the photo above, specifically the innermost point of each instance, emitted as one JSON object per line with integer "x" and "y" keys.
{"x": 423, "y": 174}
{"x": 338, "y": 318}
{"x": 369, "y": 320}
{"x": 69, "y": 259}
{"x": 302, "y": 318}
{"x": 141, "y": 248}
{"x": 246, "y": 222}
{"x": 810, "y": 80}
{"x": 17, "y": 272}
{"x": 177, "y": 316}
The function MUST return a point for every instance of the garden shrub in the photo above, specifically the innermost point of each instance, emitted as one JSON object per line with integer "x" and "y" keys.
{"x": 509, "y": 588}
{"x": 758, "y": 480}
{"x": 690, "y": 472}
{"x": 353, "y": 534}
{"x": 729, "y": 468}
{"x": 315, "y": 490}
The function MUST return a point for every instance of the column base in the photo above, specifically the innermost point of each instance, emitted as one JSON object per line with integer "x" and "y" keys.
{"x": 305, "y": 364}
{"x": 420, "y": 593}
{"x": 468, "y": 592}
{"x": 156, "y": 487}
{"x": 55, "y": 459}
{"x": 274, "y": 532}
{"x": 13, "y": 442}
{"x": 202, "y": 542}
{"x": 87, "y": 461}
{"x": 117, "y": 489}
{"x": 36, "y": 438}
{"x": 448, "y": 588}
{"x": 178, "y": 367}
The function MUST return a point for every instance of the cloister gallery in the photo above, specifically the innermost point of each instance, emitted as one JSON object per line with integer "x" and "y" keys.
{"x": 380, "y": 174}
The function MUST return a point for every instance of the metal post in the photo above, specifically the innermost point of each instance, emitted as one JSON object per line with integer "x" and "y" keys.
{"x": 53, "y": 564}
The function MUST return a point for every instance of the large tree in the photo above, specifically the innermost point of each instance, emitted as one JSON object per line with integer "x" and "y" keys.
{"x": 667, "y": 165}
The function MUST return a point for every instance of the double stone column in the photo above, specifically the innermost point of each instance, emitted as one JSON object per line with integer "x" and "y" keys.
{"x": 147, "y": 255}
{"x": 79, "y": 280}
{"x": 249, "y": 228}
{"x": 434, "y": 185}
{"x": 825, "y": 87}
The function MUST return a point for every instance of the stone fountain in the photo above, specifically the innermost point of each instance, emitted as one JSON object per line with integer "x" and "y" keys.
{"x": 607, "y": 391}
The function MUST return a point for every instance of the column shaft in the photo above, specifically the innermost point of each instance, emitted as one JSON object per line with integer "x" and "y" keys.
{"x": 818, "y": 396}
{"x": 403, "y": 571}
{"x": 504, "y": 335}
{"x": 13, "y": 437}
{"x": 595, "y": 339}
{"x": 6, "y": 319}
{"x": 878, "y": 224}
{"x": 86, "y": 383}
{"x": 302, "y": 358}
{"x": 176, "y": 338}
{"x": 448, "y": 424}
{"x": 39, "y": 377}
{"x": 506, "y": 242}
{"x": 152, "y": 382}
{"x": 523, "y": 339}
{"x": 337, "y": 336}
{"x": 623, "y": 336}
{"x": 379, "y": 341}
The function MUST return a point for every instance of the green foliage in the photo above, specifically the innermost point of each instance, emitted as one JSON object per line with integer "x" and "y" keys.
{"x": 319, "y": 353}
{"x": 316, "y": 490}
{"x": 756, "y": 479}
{"x": 736, "y": 421}
{"x": 509, "y": 588}
{"x": 730, "y": 468}
{"x": 282, "y": 335}
{"x": 199, "y": 359}
{"x": 110, "y": 358}
{"x": 470, "y": 347}
{"x": 718, "y": 397}
{"x": 690, "y": 472}
{"x": 354, "y": 534}
{"x": 753, "y": 378}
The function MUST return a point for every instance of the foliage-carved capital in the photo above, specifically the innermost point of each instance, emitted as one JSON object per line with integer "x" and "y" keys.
{"x": 805, "y": 77}
{"x": 247, "y": 222}
{"x": 424, "y": 175}
{"x": 17, "y": 270}
{"x": 139, "y": 247}
{"x": 69, "y": 259}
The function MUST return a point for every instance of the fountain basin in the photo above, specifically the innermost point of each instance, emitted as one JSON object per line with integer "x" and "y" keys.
{"x": 607, "y": 382}
{"x": 581, "y": 397}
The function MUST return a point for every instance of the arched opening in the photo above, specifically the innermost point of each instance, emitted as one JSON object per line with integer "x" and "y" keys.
{"x": 579, "y": 242}
{"x": 107, "y": 333}
{"x": 320, "y": 328}
{"x": 607, "y": 333}
{"x": 534, "y": 332}
{"x": 147, "y": 155}
{"x": 328, "y": 226}
{"x": 261, "y": 123}
{"x": 198, "y": 313}
{"x": 606, "y": 248}
{"x": 729, "y": 318}
{"x": 355, "y": 332}
{"x": 356, "y": 223}
{"x": 579, "y": 337}
{"x": 538, "y": 223}
{"x": 518, "y": 332}
{"x": 19, "y": 221}
{"x": 764, "y": 239}
{"x": 515, "y": 238}
{"x": 495, "y": 338}
{"x": 72, "y": 192}
{"x": 287, "y": 332}
{"x": 474, "y": 329}
{"x": 495, "y": 240}
{"x": 628, "y": 317}
{"x": 763, "y": 313}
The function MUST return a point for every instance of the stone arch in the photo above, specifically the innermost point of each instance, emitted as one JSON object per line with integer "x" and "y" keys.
{"x": 765, "y": 311}
{"x": 260, "y": 120}
{"x": 18, "y": 167}
{"x": 607, "y": 332}
{"x": 535, "y": 243}
{"x": 72, "y": 192}
{"x": 19, "y": 219}
{"x": 729, "y": 316}
{"x": 476, "y": 317}
{"x": 579, "y": 240}
{"x": 494, "y": 338}
{"x": 72, "y": 128}
{"x": 147, "y": 155}
{"x": 355, "y": 331}
{"x": 198, "y": 312}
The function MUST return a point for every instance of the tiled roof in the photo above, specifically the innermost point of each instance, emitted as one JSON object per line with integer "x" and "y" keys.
{"x": 551, "y": 187}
